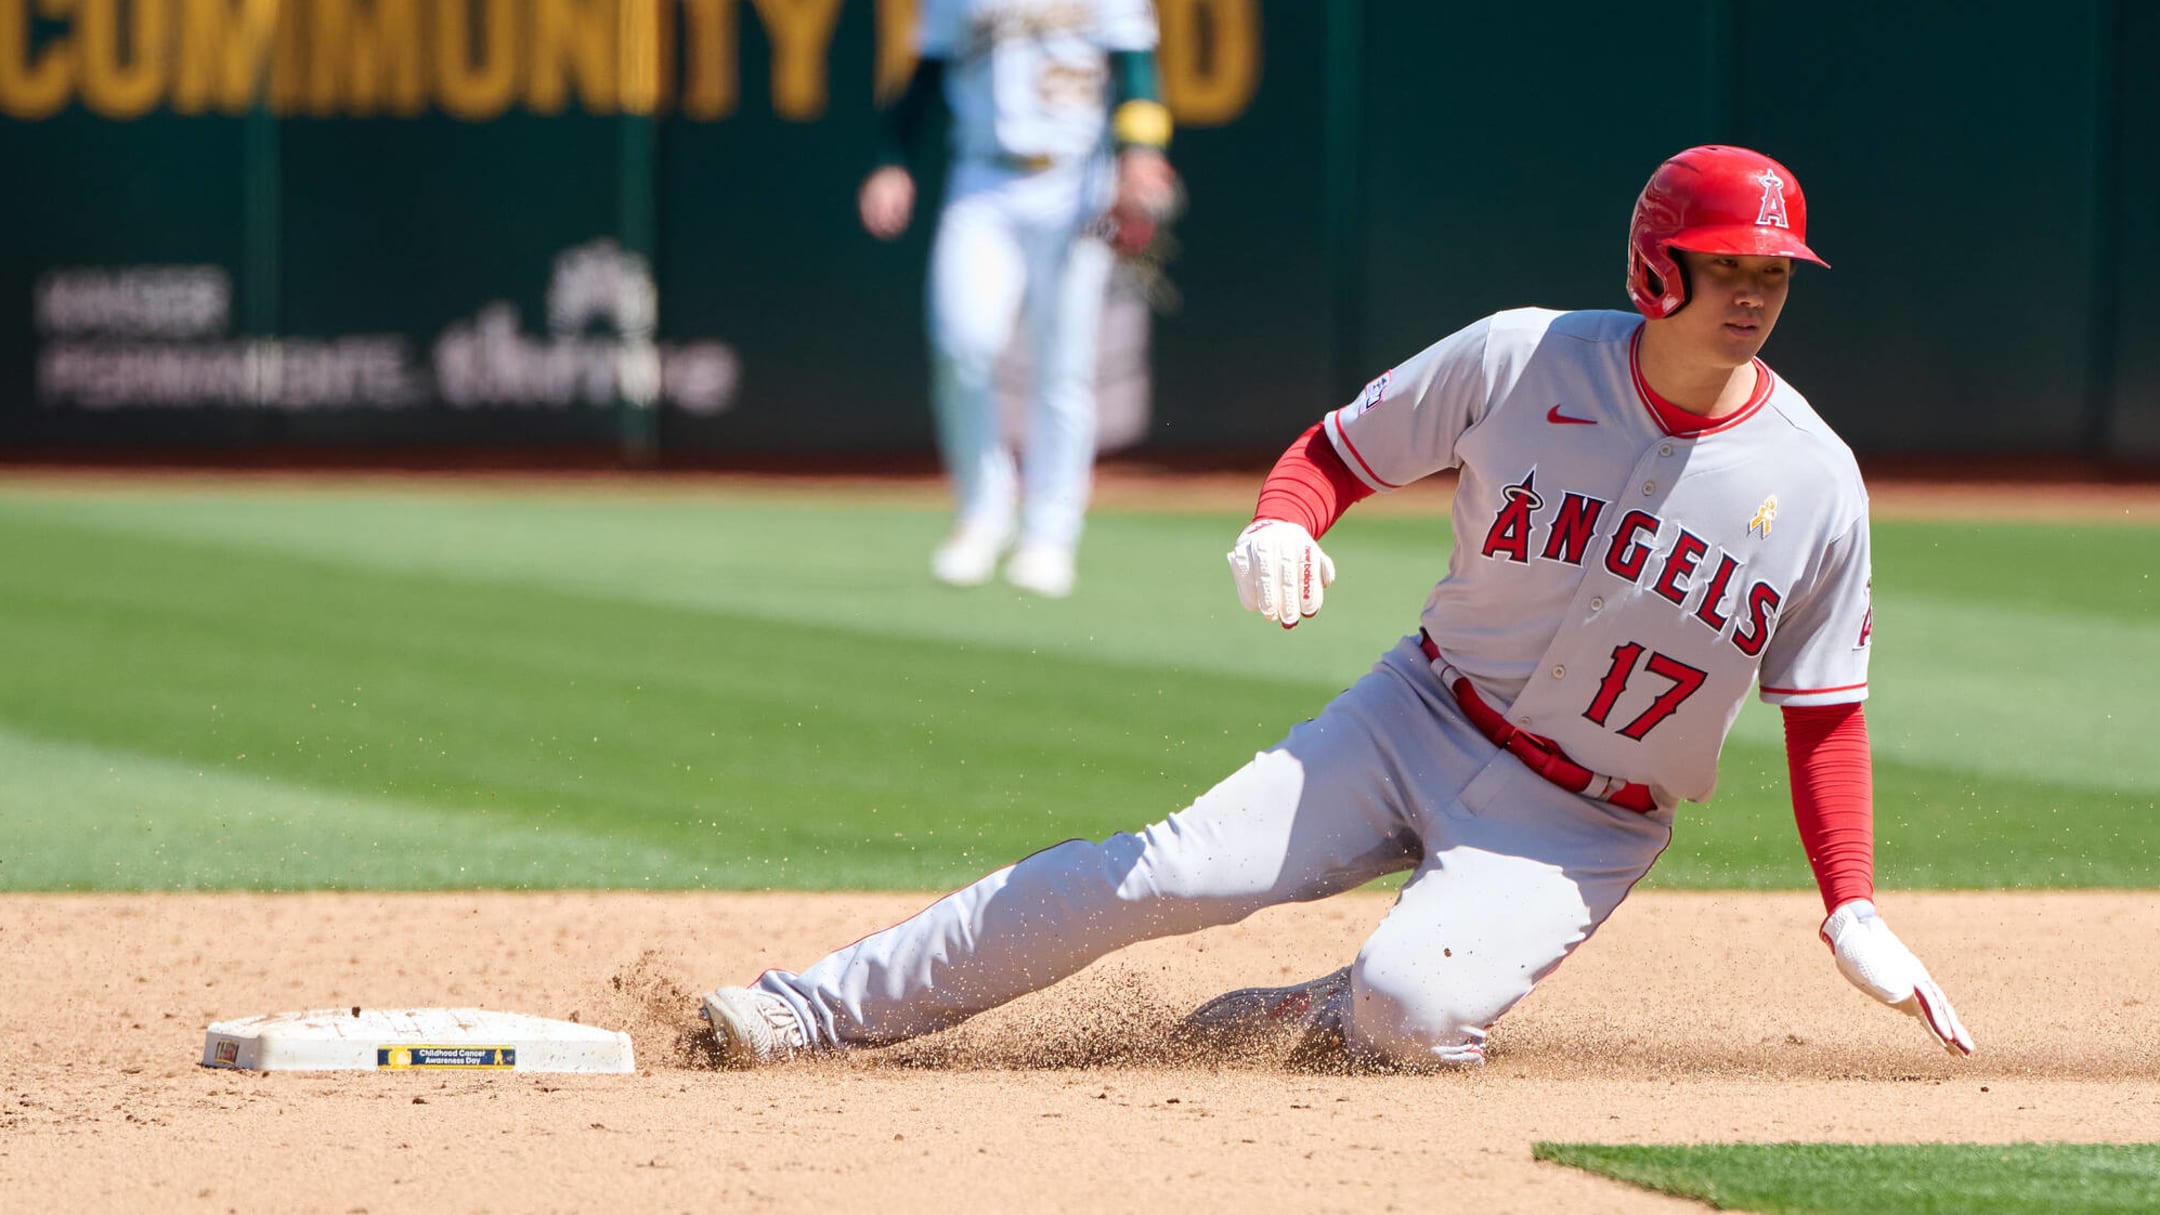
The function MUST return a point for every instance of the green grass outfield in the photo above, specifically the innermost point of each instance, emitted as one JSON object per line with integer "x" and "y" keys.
{"x": 379, "y": 687}
{"x": 1865, "y": 1179}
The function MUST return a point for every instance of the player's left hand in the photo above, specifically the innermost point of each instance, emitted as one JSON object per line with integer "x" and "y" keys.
{"x": 1871, "y": 957}
{"x": 1280, "y": 571}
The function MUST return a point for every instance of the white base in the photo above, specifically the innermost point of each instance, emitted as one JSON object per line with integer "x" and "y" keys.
{"x": 413, "y": 1039}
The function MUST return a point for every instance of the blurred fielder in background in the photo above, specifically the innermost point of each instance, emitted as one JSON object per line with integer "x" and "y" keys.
{"x": 1036, "y": 209}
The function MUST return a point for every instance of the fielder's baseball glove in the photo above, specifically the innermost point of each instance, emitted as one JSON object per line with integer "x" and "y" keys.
{"x": 1140, "y": 235}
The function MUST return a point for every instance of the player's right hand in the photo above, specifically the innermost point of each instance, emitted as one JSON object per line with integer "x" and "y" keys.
{"x": 887, "y": 201}
{"x": 1872, "y": 959}
{"x": 1280, "y": 571}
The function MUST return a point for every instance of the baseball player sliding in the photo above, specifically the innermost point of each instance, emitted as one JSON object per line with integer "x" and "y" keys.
{"x": 1034, "y": 87}
{"x": 1648, "y": 523}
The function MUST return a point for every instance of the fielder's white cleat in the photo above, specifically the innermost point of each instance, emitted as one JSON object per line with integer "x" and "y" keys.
{"x": 1042, "y": 569}
{"x": 752, "y": 1028}
{"x": 967, "y": 557}
{"x": 1256, "y": 1018}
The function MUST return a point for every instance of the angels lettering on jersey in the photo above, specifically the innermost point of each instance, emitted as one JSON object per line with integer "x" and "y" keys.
{"x": 1744, "y": 614}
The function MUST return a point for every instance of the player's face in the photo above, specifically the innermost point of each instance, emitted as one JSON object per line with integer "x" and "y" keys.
{"x": 1733, "y": 303}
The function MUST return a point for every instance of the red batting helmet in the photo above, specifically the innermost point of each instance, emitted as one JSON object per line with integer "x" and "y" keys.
{"x": 1711, "y": 199}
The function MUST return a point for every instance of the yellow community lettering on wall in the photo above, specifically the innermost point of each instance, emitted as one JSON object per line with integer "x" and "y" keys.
{"x": 478, "y": 59}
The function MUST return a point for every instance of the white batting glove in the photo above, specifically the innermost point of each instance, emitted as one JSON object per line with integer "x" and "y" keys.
{"x": 1280, "y": 571}
{"x": 1871, "y": 957}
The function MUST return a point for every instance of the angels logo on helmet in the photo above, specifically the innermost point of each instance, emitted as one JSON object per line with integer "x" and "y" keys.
{"x": 1773, "y": 201}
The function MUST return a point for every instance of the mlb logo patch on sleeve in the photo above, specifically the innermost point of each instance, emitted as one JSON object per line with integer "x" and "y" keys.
{"x": 1376, "y": 391}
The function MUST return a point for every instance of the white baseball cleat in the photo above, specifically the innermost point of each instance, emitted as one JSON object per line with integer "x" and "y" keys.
{"x": 1262, "y": 1017}
{"x": 967, "y": 557}
{"x": 1043, "y": 569}
{"x": 753, "y": 1028}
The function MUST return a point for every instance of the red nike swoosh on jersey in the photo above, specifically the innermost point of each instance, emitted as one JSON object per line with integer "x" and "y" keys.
{"x": 1555, "y": 416}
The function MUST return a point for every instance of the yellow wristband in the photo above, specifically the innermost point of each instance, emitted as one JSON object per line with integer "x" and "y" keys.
{"x": 1145, "y": 123}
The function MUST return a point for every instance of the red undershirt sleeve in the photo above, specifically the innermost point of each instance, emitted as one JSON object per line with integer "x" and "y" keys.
{"x": 1310, "y": 485}
{"x": 1833, "y": 795}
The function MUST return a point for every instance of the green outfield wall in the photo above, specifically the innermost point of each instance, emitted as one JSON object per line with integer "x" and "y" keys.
{"x": 629, "y": 223}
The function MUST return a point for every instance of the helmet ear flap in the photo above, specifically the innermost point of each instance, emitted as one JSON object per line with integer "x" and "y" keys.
{"x": 1657, "y": 281}
{"x": 1681, "y": 290}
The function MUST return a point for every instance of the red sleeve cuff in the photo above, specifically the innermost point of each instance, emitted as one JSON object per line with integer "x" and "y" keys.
{"x": 1310, "y": 485}
{"x": 1833, "y": 795}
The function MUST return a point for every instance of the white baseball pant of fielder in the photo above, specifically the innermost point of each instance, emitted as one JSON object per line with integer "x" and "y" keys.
{"x": 1011, "y": 244}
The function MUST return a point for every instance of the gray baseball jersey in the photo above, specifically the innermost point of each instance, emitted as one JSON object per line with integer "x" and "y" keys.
{"x": 1621, "y": 576}
{"x": 1615, "y": 586}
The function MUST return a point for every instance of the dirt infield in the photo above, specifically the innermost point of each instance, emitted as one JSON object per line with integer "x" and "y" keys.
{"x": 1692, "y": 1017}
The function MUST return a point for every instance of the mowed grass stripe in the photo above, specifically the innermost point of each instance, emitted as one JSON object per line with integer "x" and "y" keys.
{"x": 507, "y": 662}
{"x": 2010, "y": 650}
{"x": 1155, "y": 589}
{"x": 1864, "y": 1179}
{"x": 75, "y": 817}
{"x": 2079, "y": 571}
{"x": 779, "y": 755}
{"x": 1936, "y": 828}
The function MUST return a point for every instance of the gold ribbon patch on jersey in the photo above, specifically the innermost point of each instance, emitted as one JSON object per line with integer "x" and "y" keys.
{"x": 1764, "y": 516}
